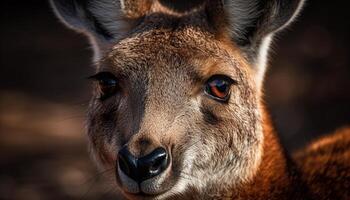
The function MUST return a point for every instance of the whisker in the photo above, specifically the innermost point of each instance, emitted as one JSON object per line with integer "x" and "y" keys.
{"x": 97, "y": 175}
{"x": 87, "y": 192}
{"x": 94, "y": 180}
{"x": 110, "y": 189}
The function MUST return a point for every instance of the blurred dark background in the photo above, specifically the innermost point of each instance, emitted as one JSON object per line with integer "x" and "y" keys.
{"x": 44, "y": 93}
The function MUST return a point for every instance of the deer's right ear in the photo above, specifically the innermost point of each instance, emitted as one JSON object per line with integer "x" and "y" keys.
{"x": 252, "y": 24}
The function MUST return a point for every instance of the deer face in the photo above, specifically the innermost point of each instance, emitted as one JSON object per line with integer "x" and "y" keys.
{"x": 176, "y": 98}
{"x": 199, "y": 107}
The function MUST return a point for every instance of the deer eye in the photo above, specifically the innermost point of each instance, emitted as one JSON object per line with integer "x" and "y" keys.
{"x": 218, "y": 87}
{"x": 107, "y": 84}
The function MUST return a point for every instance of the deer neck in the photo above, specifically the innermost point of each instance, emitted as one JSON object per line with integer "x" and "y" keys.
{"x": 277, "y": 176}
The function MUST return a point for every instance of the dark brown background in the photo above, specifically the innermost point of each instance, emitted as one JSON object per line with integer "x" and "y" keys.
{"x": 43, "y": 95}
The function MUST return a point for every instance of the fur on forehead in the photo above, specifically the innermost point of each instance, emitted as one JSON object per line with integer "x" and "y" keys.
{"x": 195, "y": 53}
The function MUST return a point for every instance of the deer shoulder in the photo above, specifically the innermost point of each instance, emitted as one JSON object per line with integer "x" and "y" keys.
{"x": 325, "y": 165}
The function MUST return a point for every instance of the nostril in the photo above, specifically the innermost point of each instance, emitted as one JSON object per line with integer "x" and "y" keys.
{"x": 153, "y": 164}
{"x": 123, "y": 164}
{"x": 127, "y": 162}
{"x": 158, "y": 163}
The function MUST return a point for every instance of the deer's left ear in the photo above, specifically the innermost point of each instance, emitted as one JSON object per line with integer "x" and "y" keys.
{"x": 101, "y": 20}
{"x": 252, "y": 24}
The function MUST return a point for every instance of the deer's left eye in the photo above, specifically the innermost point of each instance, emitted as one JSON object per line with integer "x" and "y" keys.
{"x": 107, "y": 83}
{"x": 218, "y": 87}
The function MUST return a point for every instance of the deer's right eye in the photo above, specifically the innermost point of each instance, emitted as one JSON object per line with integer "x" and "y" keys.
{"x": 107, "y": 84}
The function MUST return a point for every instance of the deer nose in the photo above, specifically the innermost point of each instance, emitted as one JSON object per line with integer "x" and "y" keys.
{"x": 146, "y": 167}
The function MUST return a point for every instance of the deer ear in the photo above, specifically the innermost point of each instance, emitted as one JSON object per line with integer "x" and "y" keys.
{"x": 100, "y": 18}
{"x": 103, "y": 21}
{"x": 252, "y": 24}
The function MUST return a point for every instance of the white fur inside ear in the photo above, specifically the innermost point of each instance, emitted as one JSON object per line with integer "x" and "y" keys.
{"x": 96, "y": 48}
{"x": 241, "y": 14}
{"x": 262, "y": 59}
{"x": 109, "y": 14}
{"x": 294, "y": 16}
{"x": 122, "y": 4}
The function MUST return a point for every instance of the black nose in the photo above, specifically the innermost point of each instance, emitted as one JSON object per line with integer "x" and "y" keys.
{"x": 143, "y": 168}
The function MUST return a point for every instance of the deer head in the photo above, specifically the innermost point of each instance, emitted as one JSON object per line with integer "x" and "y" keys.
{"x": 176, "y": 102}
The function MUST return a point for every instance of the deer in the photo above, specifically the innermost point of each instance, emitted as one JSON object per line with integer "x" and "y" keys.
{"x": 177, "y": 108}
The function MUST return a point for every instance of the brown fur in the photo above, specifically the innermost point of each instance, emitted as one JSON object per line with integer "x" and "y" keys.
{"x": 325, "y": 165}
{"x": 218, "y": 150}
